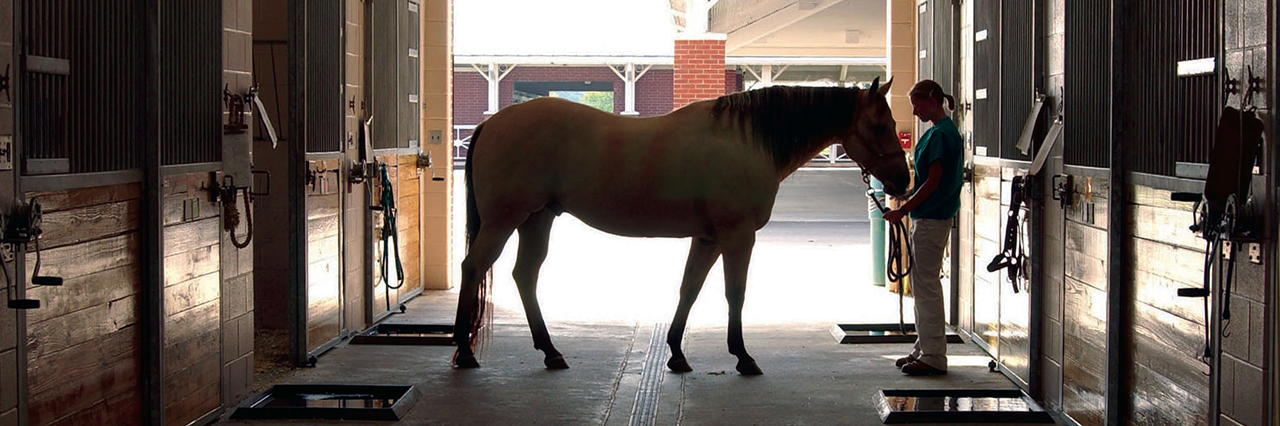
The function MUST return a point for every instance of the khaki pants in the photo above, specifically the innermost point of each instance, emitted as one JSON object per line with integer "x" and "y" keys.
{"x": 929, "y": 239}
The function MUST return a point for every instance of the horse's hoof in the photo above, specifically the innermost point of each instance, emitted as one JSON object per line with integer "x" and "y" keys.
{"x": 556, "y": 362}
{"x": 466, "y": 361}
{"x": 679, "y": 365}
{"x": 749, "y": 368}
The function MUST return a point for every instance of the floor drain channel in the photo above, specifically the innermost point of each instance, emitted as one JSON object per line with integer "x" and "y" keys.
{"x": 645, "y": 411}
{"x": 984, "y": 406}
{"x": 882, "y": 333}
{"x": 406, "y": 334}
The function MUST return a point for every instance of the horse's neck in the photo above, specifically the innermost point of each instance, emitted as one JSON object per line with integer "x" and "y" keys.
{"x": 811, "y": 151}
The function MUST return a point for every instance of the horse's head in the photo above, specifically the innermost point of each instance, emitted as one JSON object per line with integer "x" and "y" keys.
{"x": 873, "y": 143}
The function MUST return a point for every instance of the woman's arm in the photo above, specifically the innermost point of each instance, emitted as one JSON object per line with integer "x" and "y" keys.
{"x": 930, "y": 185}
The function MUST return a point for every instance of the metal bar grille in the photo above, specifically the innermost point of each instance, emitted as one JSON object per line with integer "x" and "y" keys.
{"x": 81, "y": 103}
{"x": 325, "y": 62}
{"x": 1200, "y": 38}
{"x": 412, "y": 96}
{"x": 986, "y": 104}
{"x": 1086, "y": 100}
{"x": 1016, "y": 65}
{"x": 1169, "y": 118}
{"x": 191, "y": 86}
{"x": 943, "y": 43}
{"x": 386, "y": 79}
{"x": 924, "y": 34}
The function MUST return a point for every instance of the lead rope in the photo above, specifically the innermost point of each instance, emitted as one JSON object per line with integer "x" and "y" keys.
{"x": 895, "y": 269}
{"x": 390, "y": 236}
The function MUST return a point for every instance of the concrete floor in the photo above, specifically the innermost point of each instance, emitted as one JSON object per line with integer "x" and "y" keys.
{"x": 603, "y": 295}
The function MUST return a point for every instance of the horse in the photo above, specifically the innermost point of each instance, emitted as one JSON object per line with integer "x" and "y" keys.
{"x": 709, "y": 170}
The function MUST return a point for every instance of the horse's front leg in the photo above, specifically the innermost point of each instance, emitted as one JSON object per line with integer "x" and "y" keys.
{"x": 535, "y": 233}
{"x": 737, "y": 254}
{"x": 702, "y": 255}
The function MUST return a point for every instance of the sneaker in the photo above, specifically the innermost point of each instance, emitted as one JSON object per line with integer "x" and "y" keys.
{"x": 904, "y": 361}
{"x": 917, "y": 368}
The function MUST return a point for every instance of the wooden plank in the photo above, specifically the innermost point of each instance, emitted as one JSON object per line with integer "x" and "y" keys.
{"x": 193, "y": 406}
{"x": 120, "y": 409}
{"x": 78, "y": 293}
{"x": 191, "y": 351}
{"x": 1171, "y": 347}
{"x": 52, "y": 201}
{"x": 184, "y": 266}
{"x": 191, "y": 293}
{"x": 89, "y": 257}
{"x": 67, "y": 227}
{"x": 1179, "y": 265}
{"x": 1156, "y": 401}
{"x": 190, "y": 380}
{"x": 85, "y": 360}
{"x": 191, "y": 323}
{"x": 1086, "y": 269}
{"x": 111, "y": 395}
{"x": 173, "y": 205}
{"x": 1165, "y": 225}
{"x": 324, "y": 205}
{"x": 192, "y": 235}
{"x": 69, "y": 330}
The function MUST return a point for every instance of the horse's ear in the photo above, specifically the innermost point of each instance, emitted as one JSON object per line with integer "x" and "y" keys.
{"x": 884, "y": 90}
{"x": 875, "y": 85}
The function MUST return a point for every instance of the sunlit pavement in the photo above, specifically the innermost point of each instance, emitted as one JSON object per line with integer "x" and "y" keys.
{"x": 602, "y": 297}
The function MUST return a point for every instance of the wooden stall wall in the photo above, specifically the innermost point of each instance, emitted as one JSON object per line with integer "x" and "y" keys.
{"x": 1168, "y": 377}
{"x": 324, "y": 261}
{"x": 403, "y": 172}
{"x": 192, "y": 302}
{"x": 87, "y": 329}
{"x": 1084, "y": 301}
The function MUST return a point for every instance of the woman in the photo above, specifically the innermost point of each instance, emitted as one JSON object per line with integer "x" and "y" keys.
{"x": 932, "y": 207}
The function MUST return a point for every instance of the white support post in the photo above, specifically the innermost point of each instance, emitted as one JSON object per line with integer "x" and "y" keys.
{"x": 494, "y": 75}
{"x": 494, "y": 88}
{"x": 629, "y": 76}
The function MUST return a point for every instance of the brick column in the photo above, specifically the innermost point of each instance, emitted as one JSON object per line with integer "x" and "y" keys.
{"x": 699, "y": 68}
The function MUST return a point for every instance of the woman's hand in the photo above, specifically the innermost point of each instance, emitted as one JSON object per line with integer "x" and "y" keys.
{"x": 893, "y": 216}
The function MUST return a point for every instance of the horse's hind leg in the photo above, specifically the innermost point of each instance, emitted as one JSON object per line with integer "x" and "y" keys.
{"x": 702, "y": 256}
{"x": 534, "y": 235}
{"x": 481, "y": 255}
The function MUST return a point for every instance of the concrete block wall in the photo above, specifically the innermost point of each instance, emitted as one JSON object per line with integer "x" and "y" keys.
{"x": 1243, "y": 375}
{"x": 237, "y": 263}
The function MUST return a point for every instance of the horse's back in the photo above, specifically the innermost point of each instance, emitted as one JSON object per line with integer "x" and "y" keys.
{"x": 629, "y": 176}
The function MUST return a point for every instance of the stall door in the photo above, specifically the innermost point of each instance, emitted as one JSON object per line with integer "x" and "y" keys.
{"x": 987, "y": 213}
{"x": 325, "y": 185}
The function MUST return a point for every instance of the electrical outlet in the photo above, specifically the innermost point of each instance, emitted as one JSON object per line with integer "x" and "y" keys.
{"x": 435, "y": 137}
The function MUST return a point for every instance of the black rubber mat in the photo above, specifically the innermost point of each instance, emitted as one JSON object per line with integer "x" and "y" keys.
{"x": 329, "y": 402}
{"x": 882, "y": 333}
{"x": 979, "y": 406}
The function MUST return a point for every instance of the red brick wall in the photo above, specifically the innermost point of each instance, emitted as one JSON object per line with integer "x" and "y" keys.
{"x": 699, "y": 71}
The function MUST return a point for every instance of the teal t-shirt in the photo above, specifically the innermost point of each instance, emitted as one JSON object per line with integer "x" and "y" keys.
{"x": 941, "y": 142}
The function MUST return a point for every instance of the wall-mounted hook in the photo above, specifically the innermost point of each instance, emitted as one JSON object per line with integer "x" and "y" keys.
{"x": 1252, "y": 85}
{"x": 1230, "y": 86}
{"x": 352, "y": 104}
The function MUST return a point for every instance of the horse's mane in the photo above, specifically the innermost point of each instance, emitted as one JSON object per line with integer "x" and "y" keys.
{"x": 787, "y": 121}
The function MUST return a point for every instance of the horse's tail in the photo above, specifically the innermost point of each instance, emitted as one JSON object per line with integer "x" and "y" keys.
{"x": 473, "y": 229}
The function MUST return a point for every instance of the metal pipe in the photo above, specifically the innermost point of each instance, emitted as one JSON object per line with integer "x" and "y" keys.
{"x": 296, "y": 181}
{"x": 152, "y": 312}
{"x": 1117, "y": 400}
